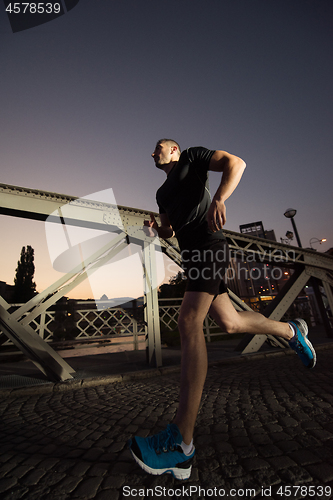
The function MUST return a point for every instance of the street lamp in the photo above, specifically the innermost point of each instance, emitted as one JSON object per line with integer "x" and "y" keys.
{"x": 289, "y": 237}
{"x": 316, "y": 240}
{"x": 290, "y": 214}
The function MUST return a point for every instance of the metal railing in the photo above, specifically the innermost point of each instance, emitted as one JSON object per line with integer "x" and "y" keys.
{"x": 169, "y": 311}
{"x": 81, "y": 324}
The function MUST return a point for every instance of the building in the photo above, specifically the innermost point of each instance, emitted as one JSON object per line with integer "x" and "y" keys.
{"x": 254, "y": 281}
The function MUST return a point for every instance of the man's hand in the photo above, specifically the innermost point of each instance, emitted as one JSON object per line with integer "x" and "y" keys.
{"x": 150, "y": 227}
{"x": 216, "y": 215}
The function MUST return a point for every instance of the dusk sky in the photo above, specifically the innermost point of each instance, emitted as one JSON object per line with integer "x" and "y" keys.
{"x": 85, "y": 97}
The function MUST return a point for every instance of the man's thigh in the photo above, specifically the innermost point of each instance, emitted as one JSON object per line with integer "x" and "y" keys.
{"x": 206, "y": 268}
{"x": 195, "y": 306}
{"x": 223, "y": 311}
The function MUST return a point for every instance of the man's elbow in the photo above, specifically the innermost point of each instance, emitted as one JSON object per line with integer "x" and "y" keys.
{"x": 239, "y": 164}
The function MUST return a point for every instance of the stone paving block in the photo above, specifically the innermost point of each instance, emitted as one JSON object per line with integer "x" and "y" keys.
{"x": 109, "y": 495}
{"x": 237, "y": 432}
{"x": 123, "y": 467}
{"x": 269, "y": 450}
{"x": 80, "y": 469}
{"x": 75, "y": 453}
{"x": 295, "y": 475}
{"x": 88, "y": 487}
{"x": 223, "y": 447}
{"x": 247, "y": 452}
{"x": 7, "y": 483}
{"x": 300, "y": 416}
{"x": 93, "y": 454}
{"x": 281, "y": 462}
{"x": 208, "y": 465}
{"x": 311, "y": 424}
{"x": 220, "y": 428}
{"x": 33, "y": 477}
{"x": 246, "y": 485}
{"x": 51, "y": 479}
{"x": 261, "y": 439}
{"x": 279, "y": 436}
{"x": 5, "y": 468}
{"x": 255, "y": 463}
{"x": 229, "y": 471}
{"x": 21, "y": 471}
{"x": 68, "y": 484}
{"x": 287, "y": 421}
{"x": 206, "y": 451}
{"x": 304, "y": 457}
{"x": 308, "y": 441}
{"x": 48, "y": 463}
{"x": 15, "y": 493}
{"x": 323, "y": 472}
{"x": 252, "y": 424}
{"x": 99, "y": 469}
{"x": 241, "y": 441}
{"x": 288, "y": 446}
{"x": 113, "y": 481}
{"x": 321, "y": 434}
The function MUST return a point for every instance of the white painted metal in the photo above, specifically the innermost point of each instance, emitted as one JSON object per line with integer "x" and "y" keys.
{"x": 36, "y": 204}
{"x": 40, "y": 353}
{"x": 258, "y": 340}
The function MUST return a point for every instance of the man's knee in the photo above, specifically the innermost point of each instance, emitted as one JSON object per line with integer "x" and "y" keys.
{"x": 229, "y": 325}
{"x": 189, "y": 322}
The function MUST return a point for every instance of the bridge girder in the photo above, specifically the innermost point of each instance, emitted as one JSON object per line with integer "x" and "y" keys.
{"x": 41, "y": 205}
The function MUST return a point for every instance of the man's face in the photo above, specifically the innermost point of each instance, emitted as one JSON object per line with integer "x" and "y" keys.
{"x": 162, "y": 155}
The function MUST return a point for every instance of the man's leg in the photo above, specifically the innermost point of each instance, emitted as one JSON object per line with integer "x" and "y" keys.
{"x": 167, "y": 451}
{"x": 232, "y": 321}
{"x": 193, "y": 311}
{"x": 295, "y": 332}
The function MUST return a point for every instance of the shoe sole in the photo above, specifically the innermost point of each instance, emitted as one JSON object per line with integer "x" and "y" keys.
{"x": 303, "y": 328}
{"x": 176, "y": 472}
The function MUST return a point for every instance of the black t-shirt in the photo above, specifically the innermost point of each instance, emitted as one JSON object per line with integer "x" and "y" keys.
{"x": 185, "y": 198}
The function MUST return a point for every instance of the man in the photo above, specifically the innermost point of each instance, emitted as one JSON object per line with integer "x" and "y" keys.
{"x": 187, "y": 212}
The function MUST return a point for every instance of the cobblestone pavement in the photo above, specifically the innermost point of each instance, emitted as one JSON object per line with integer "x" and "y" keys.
{"x": 265, "y": 430}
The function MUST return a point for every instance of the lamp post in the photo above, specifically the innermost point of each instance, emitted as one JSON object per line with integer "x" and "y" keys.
{"x": 316, "y": 240}
{"x": 289, "y": 237}
{"x": 290, "y": 214}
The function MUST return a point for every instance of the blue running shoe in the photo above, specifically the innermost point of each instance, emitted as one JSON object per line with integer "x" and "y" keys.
{"x": 162, "y": 453}
{"x": 301, "y": 344}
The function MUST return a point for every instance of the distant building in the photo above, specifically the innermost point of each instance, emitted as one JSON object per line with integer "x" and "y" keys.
{"x": 6, "y": 291}
{"x": 256, "y": 282}
{"x": 257, "y": 229}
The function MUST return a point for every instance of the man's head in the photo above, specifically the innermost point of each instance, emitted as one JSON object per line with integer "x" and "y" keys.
{"x": 166, "y": 151}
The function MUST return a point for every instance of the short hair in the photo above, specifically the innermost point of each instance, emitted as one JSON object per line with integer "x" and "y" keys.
{"x": 171, "y": 142}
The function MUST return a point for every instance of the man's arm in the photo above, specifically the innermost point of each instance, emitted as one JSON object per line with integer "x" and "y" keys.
{"x": 232, "y": 169}
{"x": 164, "y": 230}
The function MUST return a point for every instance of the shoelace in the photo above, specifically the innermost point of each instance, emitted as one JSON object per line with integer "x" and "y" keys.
{"x": 163, "y": 441}
{"x": 300, "y": 346}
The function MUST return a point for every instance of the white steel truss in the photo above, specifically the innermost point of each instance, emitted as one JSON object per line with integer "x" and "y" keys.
{"x": 33, "y": 204}
{"x": 39, "y": 205}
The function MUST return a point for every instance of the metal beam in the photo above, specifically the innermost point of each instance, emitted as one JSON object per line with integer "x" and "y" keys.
{"x": 31, "y": 203}
{"x": 35, "y": 348}
{"x": 277, "y": 309}
{"x": 40, "y": 205}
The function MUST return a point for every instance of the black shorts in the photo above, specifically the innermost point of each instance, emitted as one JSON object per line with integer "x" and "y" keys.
{"x": 206, "y": 267}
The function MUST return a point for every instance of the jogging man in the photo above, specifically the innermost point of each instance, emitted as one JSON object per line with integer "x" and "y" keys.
{"x": 187, "y": 211}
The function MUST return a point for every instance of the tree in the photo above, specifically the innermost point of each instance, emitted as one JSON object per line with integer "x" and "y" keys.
{"x": 24, "y": 286}
{"x": 175, "y": 288}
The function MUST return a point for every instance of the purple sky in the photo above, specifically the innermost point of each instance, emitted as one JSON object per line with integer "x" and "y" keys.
{"x": 85, "y": 97}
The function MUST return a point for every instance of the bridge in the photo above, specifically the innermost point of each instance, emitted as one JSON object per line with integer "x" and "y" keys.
{"x": 126, "y": 223}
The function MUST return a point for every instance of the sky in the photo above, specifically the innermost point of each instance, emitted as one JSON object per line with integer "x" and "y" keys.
{"x": 85, "y": 97}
